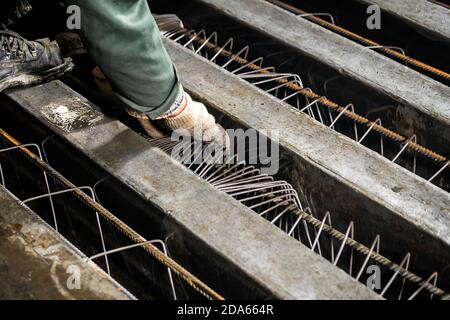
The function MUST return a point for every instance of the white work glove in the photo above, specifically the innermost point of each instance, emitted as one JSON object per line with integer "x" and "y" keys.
{"x": 194, "y": 119}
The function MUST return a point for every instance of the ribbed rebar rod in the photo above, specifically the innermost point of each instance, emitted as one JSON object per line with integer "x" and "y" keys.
{"x": 193, "y": 281}
{"x": 373, "y": 255}
{"x": 412, "y": 146}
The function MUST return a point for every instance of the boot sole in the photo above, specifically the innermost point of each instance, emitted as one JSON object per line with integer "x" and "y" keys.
{"x": 26, "y": 80}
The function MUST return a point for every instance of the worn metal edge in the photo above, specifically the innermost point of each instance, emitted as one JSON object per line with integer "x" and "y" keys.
{"x": 260, "y": 250}
{"x": 47, "y": 257}
{"x": 424, "y": 14}
{"x": 395, "y": 188}
{"x": 400, "y": 82}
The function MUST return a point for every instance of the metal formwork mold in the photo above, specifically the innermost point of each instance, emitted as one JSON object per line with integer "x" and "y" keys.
{"x": 335, "y": 173}
{"x": 26, "y": 241}
{"x": 429, "y": 115}
{"x": 423, "y": 14}
{"x": 331, "y": 198}
{"x": 250, "y": 247}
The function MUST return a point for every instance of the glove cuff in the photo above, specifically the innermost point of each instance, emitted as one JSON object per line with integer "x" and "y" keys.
{"x": 185, "y": 116}
{"x": 177, "y": 107}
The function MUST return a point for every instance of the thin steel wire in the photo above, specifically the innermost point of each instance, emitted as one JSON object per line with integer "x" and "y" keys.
{"x": 176, "y": 268}
{"x": 278, "y": 202}
{"x": 389, "y": 51}
{"x": 254, "y": 72}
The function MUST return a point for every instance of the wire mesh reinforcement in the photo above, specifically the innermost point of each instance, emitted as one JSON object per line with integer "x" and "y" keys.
{"x": 445, "y": 5}
{"x": 87, "y": 195}
{"x": 278, "y": 202}
{"x": 288, "y": 87}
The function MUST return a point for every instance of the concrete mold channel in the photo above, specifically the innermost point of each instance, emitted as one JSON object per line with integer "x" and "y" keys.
{"x": 362, "y": 184}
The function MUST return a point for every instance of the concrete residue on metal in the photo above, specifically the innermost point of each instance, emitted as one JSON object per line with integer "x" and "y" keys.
{"x": 37, "y": 263}
{"x": 365, "y": 185}
{"x": 71, "y": 118}
{"x": 424, "y": 14}
{"x": 250, "y": 244}
{"x": 405, "y": 85}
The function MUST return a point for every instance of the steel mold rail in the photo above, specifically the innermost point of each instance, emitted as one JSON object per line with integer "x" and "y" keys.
{"x": 288, "y": 87}
{"x": 88, "y": 196}
{"x": 277, "y": 201}
{"x": 388, "y": 50}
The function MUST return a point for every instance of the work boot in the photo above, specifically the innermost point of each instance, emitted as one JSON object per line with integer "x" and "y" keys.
{"x": 24, "y": 63}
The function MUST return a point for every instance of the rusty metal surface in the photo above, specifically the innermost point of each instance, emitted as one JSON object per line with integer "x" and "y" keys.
{"x": 37, "y": 263}
{"x": 249, "y": 243}
{"x": 340, "y": 175}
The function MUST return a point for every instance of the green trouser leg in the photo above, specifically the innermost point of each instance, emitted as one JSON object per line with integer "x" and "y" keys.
{"x": 123, "y": 39}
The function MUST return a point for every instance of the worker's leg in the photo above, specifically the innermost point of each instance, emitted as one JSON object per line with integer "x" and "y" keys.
{"x": 123, "y": 39}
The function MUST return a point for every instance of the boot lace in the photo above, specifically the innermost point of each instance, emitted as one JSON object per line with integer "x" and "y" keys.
{"x": 13, "y": 42}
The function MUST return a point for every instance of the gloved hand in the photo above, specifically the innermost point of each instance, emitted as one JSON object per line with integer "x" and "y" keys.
{"x": 194, "y": 118}
{"x": 185, "y": 114}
